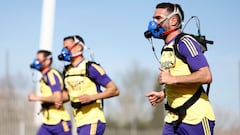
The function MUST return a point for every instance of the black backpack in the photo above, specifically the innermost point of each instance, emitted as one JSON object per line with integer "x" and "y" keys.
{"x": 88, "y": 64}
{"x": 200, "y": 39}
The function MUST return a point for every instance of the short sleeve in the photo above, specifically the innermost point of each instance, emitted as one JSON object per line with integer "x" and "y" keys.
{"x": 53, "y": 81}
{"x": 191, "y": 50}
{"x": 98, "y": 74}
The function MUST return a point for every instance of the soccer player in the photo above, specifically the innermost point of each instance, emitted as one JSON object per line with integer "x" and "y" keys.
{"x": 83, "y": 80}
{"x": 189, "y": 109}
{"x": 56, "y": 120}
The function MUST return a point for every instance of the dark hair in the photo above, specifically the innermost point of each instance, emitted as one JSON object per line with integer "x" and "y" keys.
{"x": 46, "y": 53}
{"x": 73, "y": 38}
{"x": 170, "y": 9}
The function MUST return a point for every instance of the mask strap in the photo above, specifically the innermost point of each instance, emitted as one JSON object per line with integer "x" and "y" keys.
{"x": 175, "y": 12}
{"x": 76, "y": 41}
{"x": 168, "y": 32}
{"x": 72, "y": 46}
{"x": 76, "y": 55}
{"x": 48, "y": 57}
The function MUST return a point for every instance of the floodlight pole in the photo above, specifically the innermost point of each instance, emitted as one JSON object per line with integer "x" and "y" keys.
{"x": 47, "y": 26}
{"x": 239, "y": 87}
{"x": 46, "y": 37}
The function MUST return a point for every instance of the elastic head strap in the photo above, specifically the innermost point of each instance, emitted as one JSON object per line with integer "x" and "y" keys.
{"x": 72, "y": 46}
{"x": 175, "y": 12}
{"x": 48, "y": 57}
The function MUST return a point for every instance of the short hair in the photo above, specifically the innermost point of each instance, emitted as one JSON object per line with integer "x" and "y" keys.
{"x": 46, "y": 54}
{"x": 74, "y": 37}
{"x": 170, "y": 9}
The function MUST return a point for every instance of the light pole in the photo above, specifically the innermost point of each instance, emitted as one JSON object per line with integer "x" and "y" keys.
{"x": 46, "y": 37}
{"x": 239, "y": 87}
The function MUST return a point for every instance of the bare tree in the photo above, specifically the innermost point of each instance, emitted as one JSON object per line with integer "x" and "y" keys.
{"x": 15, "y": 111}
{"x": 133, "y": 107}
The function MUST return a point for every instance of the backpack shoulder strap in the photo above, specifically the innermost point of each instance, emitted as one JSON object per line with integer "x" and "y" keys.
{"x": 88, "y": 64}
{"x": 65, "y": 70}
{"x": 176, "y": 41}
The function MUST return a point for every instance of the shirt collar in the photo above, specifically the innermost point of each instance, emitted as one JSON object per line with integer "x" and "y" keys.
{"x": 47, "y": 71}
{"x": 79, "y": 63}
{"x": 167, "y": 43}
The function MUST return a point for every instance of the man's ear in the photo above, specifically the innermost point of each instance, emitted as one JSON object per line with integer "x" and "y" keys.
{"x": 81, "y": 47}
{"x": 174, "y": 21}
{"x": 47, "y": 62}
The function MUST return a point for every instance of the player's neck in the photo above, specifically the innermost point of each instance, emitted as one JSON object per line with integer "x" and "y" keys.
{"x": 172, "y": 35}
{"x": 77, "y": 60}
{"x": 45, "y": 70}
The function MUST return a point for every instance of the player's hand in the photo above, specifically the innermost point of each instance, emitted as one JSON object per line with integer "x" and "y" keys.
{"x": 58, "y": 104}
{"x": 165, "y": 77}
{"x": 155, "y": 97}
{"x": 32, "y": 97}
{"x": 85, "y": 98}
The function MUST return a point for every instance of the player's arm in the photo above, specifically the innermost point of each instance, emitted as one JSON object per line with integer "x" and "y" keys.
{"x": 65, "y": 96}
{"x": 202, "y": 76}
{"x": 56, "y": 98}
{"x": 197, "y": 63}
{"x": 102, "y": 79}
{"x": 111, "y": 90}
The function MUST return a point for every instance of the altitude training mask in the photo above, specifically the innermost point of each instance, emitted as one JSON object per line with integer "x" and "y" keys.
{"x": 37, "y": 64}
{"x": 156, "y": 31}
{"x": 66, "y": 54}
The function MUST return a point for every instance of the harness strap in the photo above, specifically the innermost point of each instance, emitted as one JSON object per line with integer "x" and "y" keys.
{"x": 46, "y": 105}
{"x": 182, "y": 110}
{"x": 177, "y": 39}
{"x": 79, "y": 105}
{"x": 208, "y": 89}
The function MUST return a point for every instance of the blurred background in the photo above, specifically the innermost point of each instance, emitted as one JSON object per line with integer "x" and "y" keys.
{"x": 114, "y": 32}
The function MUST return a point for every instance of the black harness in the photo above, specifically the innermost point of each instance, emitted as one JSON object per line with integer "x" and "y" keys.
{"x": 79, "y": 105}
{"x": 181, "y": 111}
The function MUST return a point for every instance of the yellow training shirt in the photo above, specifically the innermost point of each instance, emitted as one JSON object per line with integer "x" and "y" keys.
{"x": 178, "y": 94}
{"x": 77, "y": 83}
{"x": 51, "y": 115}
